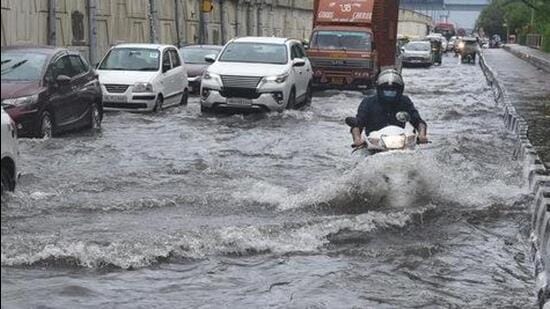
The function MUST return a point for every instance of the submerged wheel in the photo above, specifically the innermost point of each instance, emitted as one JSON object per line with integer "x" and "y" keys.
{"x": 95, "y": 117}
{"x": 184, "y": 97}
{"x": 291, "y": 104}
{"x": 46, "y": 126}
{"x": 158, "y": 104}
{"x": 309, "y": 95}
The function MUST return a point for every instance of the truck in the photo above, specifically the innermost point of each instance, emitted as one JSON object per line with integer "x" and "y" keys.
{"x": 446, "y": 29}
{"x": 351, "y": 41}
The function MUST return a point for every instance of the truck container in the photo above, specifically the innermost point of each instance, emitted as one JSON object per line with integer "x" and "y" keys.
{"x": 351, "y": 41}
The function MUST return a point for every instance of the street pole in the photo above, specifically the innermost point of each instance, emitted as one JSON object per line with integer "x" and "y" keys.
{"x": 154, "y": 18}
{"x": 52, "y": 21}
{"x": 177, "y": 19}
{"x": 92, "y": 31}
{"x": 222, "y": 21}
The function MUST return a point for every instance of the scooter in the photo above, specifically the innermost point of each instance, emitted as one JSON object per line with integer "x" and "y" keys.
{"x": 389, "y": 138}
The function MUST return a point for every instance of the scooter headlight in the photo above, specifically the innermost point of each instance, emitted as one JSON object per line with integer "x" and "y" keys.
{"x": 393, "y": 141}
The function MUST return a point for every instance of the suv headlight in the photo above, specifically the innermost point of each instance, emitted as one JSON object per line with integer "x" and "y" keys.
{"x": 212, "y": 77}
{"x": 279, "y": 79}
{"x": 21, "y": 100}
{"x": 142, "y": 87}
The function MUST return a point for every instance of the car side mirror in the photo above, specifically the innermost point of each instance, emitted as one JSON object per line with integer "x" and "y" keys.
{"x": 165, "y": 68}
{"x": 298, "y": 62}
{"x": 63, "y": 80}
{"x": 210, "y": 58}
{"x": 402, "y": 49}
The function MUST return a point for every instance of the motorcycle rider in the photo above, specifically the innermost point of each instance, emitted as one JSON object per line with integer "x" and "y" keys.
{"x": 378, "y": 111}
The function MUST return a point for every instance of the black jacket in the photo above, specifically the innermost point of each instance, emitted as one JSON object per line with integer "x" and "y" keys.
{"x": 373, "y": 114}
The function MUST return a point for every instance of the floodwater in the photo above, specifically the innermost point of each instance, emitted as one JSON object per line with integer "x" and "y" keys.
{"x": 183, "y": 210}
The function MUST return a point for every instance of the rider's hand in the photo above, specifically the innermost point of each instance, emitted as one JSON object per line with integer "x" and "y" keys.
{"x": 423, "y": 139}
{"x": 358, "y": 142}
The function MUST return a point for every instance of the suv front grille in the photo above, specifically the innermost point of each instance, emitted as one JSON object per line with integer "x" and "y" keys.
{"x": 246, "y": 93}
{"x": 232, "y": 81}
{"x": 116, "y": 88}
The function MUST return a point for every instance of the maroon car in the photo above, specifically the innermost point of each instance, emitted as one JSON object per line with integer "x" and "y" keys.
{"x": 193, "y": 59}
{"x": 48, "y": 90}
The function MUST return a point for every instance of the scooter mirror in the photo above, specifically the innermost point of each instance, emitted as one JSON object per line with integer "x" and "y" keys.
{"x": 403, "y": 117}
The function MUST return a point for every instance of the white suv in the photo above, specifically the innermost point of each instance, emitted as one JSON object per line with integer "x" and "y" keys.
{"x": 10, "y": 153}
{"x": 262, "y": 73}
{"x": 142, "y": 77}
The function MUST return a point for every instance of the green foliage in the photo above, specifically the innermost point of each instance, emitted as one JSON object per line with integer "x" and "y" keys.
{"x": 516, "y": 15}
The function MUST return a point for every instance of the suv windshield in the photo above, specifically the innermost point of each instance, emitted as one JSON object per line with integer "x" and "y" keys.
{"x": 196, "y": 55}
{"x": 418, "y": 46}
{"x": 18, "y": 65}
{"x": 343, "y": 40}
{"x": 131, "y": 59}
{"x": 255, "y": 53}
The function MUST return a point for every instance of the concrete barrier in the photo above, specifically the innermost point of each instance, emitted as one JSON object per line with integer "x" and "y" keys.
{"x": 538, "y": 179}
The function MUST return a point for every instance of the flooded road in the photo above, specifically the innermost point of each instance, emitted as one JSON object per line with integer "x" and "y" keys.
{"x": 182, "y": 210}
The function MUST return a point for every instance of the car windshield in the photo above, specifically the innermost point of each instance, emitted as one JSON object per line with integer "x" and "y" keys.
{"x": 131, "y": 59}
{"x": 196, "y": 55}
{"x": 255, "y": 53}
{"x": 343, "y": 40}
{"x": 418, "y": 46}
{"x": 20, "y": 65}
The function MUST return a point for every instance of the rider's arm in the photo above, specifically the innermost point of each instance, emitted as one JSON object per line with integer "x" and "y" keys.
{"x": 361, "y": 120}
{"x": 417, "y": 121}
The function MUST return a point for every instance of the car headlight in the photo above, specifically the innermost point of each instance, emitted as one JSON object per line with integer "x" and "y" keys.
{"x": 209, "y": 76}
{"x": 142, "y": 87}
{"x": 279, "y": 79}
{"x": 21, "y": 100}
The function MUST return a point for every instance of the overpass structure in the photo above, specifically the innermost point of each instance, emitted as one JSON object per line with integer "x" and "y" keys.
{"x": 461, "y": 12}
{"x": 445, "y": 5}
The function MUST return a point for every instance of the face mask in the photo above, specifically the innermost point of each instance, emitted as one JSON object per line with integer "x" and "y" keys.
{"x": 389, "y": 94}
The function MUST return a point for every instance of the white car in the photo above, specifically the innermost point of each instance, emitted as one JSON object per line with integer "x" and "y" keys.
{"x": 261, "y": 73}
{"x": 10, "y": 153}
{"x": 142, "y": 77}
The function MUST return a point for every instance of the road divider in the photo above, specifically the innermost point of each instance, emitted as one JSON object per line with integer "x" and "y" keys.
{"x": 538, "y": 179}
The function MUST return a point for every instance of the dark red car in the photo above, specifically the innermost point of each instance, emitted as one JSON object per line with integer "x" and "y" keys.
{"x": 193, "y": 60}
{"x": 48, "y": 90}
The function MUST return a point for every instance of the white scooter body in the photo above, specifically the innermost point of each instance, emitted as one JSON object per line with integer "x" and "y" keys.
{"x": 392, "y": 138}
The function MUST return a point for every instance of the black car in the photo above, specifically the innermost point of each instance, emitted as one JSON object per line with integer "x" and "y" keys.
{"x": 48, "y": 90}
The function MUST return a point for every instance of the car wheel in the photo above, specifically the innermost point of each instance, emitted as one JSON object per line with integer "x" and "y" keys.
{"x": 158, "y": 104}
{"x": 46, "y": 126}
{"x": 309, "y": 95}
{"x": 184, "y": 97}
{"x": 95, "y": 117}
{"x": 291, "y": 104}
{"x": 8, "y": 183}
{"x": 206, "y": 110}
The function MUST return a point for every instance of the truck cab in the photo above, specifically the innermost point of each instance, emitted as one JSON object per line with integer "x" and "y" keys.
{"x": 351, "y": 41}
{"x": 342, "y": 57}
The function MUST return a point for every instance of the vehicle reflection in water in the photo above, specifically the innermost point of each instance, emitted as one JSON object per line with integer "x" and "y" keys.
{"x": 182, "y": 210}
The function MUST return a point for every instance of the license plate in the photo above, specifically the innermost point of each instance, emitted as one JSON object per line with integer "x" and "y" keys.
{"x": 337, "y": 80}
{"x": 239, "y": 101}
{"x": 115, "y": 98}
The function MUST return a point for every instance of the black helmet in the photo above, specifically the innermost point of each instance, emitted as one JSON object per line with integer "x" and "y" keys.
{"x": 389, "y": 85}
